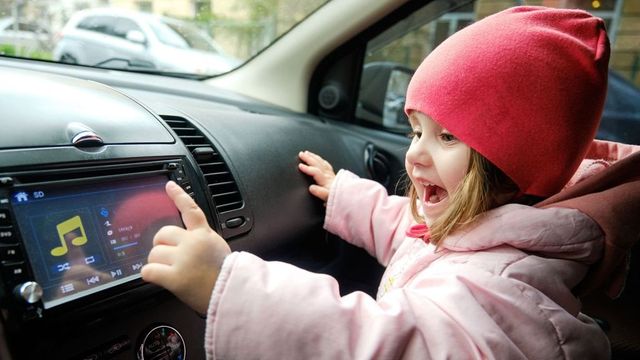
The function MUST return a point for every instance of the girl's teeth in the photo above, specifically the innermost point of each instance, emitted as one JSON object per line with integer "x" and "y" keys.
{"x": 434, "y": 194}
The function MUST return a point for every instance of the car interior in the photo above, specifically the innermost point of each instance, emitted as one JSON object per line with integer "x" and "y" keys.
{"x": 85, "y": 153}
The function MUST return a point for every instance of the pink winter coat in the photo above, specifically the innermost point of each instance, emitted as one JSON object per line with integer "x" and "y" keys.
{"x": 500, "y": 289}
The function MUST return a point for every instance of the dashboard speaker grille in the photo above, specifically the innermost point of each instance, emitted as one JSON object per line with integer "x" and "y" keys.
{"x": 222, "y": 186}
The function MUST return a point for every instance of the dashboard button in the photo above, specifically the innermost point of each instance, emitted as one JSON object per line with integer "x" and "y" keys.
{"x": 5, "y": 220}
{"x": 14, "y": 270}
{"x": 178, "y": 175}
{"x": 7, "y": 235}
{"x": 29, "y": 292}
{"x": 187, "y": 187}
{"x": 117, "y": 346}
{"x": 161, "y": 342}
{"x": 234, "y": 222}
{"x": 6, "y": 181}
{"x": 10, "y": 253}
{"x": 93, "y": 355}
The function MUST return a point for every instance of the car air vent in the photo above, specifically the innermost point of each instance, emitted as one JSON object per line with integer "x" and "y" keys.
{"x": 377, "y": 165}
{"x": 224, "y": 190}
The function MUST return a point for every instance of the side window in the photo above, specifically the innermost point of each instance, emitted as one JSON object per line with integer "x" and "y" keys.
{"x": 100, "y": 24}
{"x": 122, "y": 26}
{"x": 26, "y": 27}
{"x": 86, "y": 23}
{"x": 393, "y": 55}
{"x": 30, "y": 27}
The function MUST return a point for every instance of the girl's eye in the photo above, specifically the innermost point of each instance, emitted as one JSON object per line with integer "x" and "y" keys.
{"x": 448, "y": 138}
{"x": 414, "y": 134}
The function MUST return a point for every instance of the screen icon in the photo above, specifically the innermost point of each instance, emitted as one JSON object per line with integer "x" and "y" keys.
{"x": 63, "y": 267}
{"x": 93, "y": 280}
{"x": 70, "y": 229}
{"x": 115, "y": 273}
{"x": 21, "y": 197}
{"x": 67, "y": 288}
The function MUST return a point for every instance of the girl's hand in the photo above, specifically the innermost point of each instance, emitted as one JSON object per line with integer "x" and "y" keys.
{"x": 321, "y": 171}
{"x": 186, "y": 261}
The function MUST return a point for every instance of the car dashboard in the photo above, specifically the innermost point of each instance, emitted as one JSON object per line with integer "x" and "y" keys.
{"x": 83, "y": 163}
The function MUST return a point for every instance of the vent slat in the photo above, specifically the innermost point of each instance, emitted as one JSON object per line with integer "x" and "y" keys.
{"x": 221, "y": 184}
{"x": 215, "y": 179}
{"x": 192, "y": 137}
{"x": 218, "y": 173}
{"x": 225, "y": 194}
{"x": 209, "y": 169}
{"x": 173, "y": 120}
{"x": 193, "y": 146}
{"x": 229, "y": 206}
{"x": 217, "y": 163}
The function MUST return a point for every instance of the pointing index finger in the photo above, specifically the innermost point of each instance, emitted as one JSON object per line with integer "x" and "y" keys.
{"x": 192, "y": 215}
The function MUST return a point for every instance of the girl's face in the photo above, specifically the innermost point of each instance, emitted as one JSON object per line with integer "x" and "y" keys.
{"x": 436, "y": 163}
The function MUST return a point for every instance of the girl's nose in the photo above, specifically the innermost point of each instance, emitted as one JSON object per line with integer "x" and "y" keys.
{"x": 418, "y": 154}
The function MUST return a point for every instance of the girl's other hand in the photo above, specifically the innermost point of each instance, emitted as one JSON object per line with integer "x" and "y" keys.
{"x": 321, "y": 172}
{"x": 186, "y": 261}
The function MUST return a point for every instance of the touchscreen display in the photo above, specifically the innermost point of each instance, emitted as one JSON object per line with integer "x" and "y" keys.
{"x": 83, "y": 238}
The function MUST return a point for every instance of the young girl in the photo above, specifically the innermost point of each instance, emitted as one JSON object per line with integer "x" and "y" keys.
{"x": 503, "y": 114}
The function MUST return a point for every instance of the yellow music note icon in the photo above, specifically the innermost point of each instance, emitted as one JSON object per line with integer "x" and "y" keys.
{"x": 70, "y": 229}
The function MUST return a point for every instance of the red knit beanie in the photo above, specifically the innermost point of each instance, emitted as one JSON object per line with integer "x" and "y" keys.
{"x": 524, "y": 87}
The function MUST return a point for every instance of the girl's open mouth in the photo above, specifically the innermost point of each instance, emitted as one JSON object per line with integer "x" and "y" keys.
{"x": 434, "y": 194}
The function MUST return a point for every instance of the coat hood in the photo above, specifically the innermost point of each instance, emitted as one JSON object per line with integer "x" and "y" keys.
{"x": 553, "y": 232}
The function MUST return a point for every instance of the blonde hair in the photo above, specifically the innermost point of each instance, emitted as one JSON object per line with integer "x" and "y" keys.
{"x": 483, "y": 187}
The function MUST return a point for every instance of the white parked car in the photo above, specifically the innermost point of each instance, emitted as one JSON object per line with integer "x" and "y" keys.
{"x": 117, "y": 38}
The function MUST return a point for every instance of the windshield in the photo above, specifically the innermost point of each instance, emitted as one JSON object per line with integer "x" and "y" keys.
{"x": 174, "y": 37}
{"x": 184, "y": 36}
